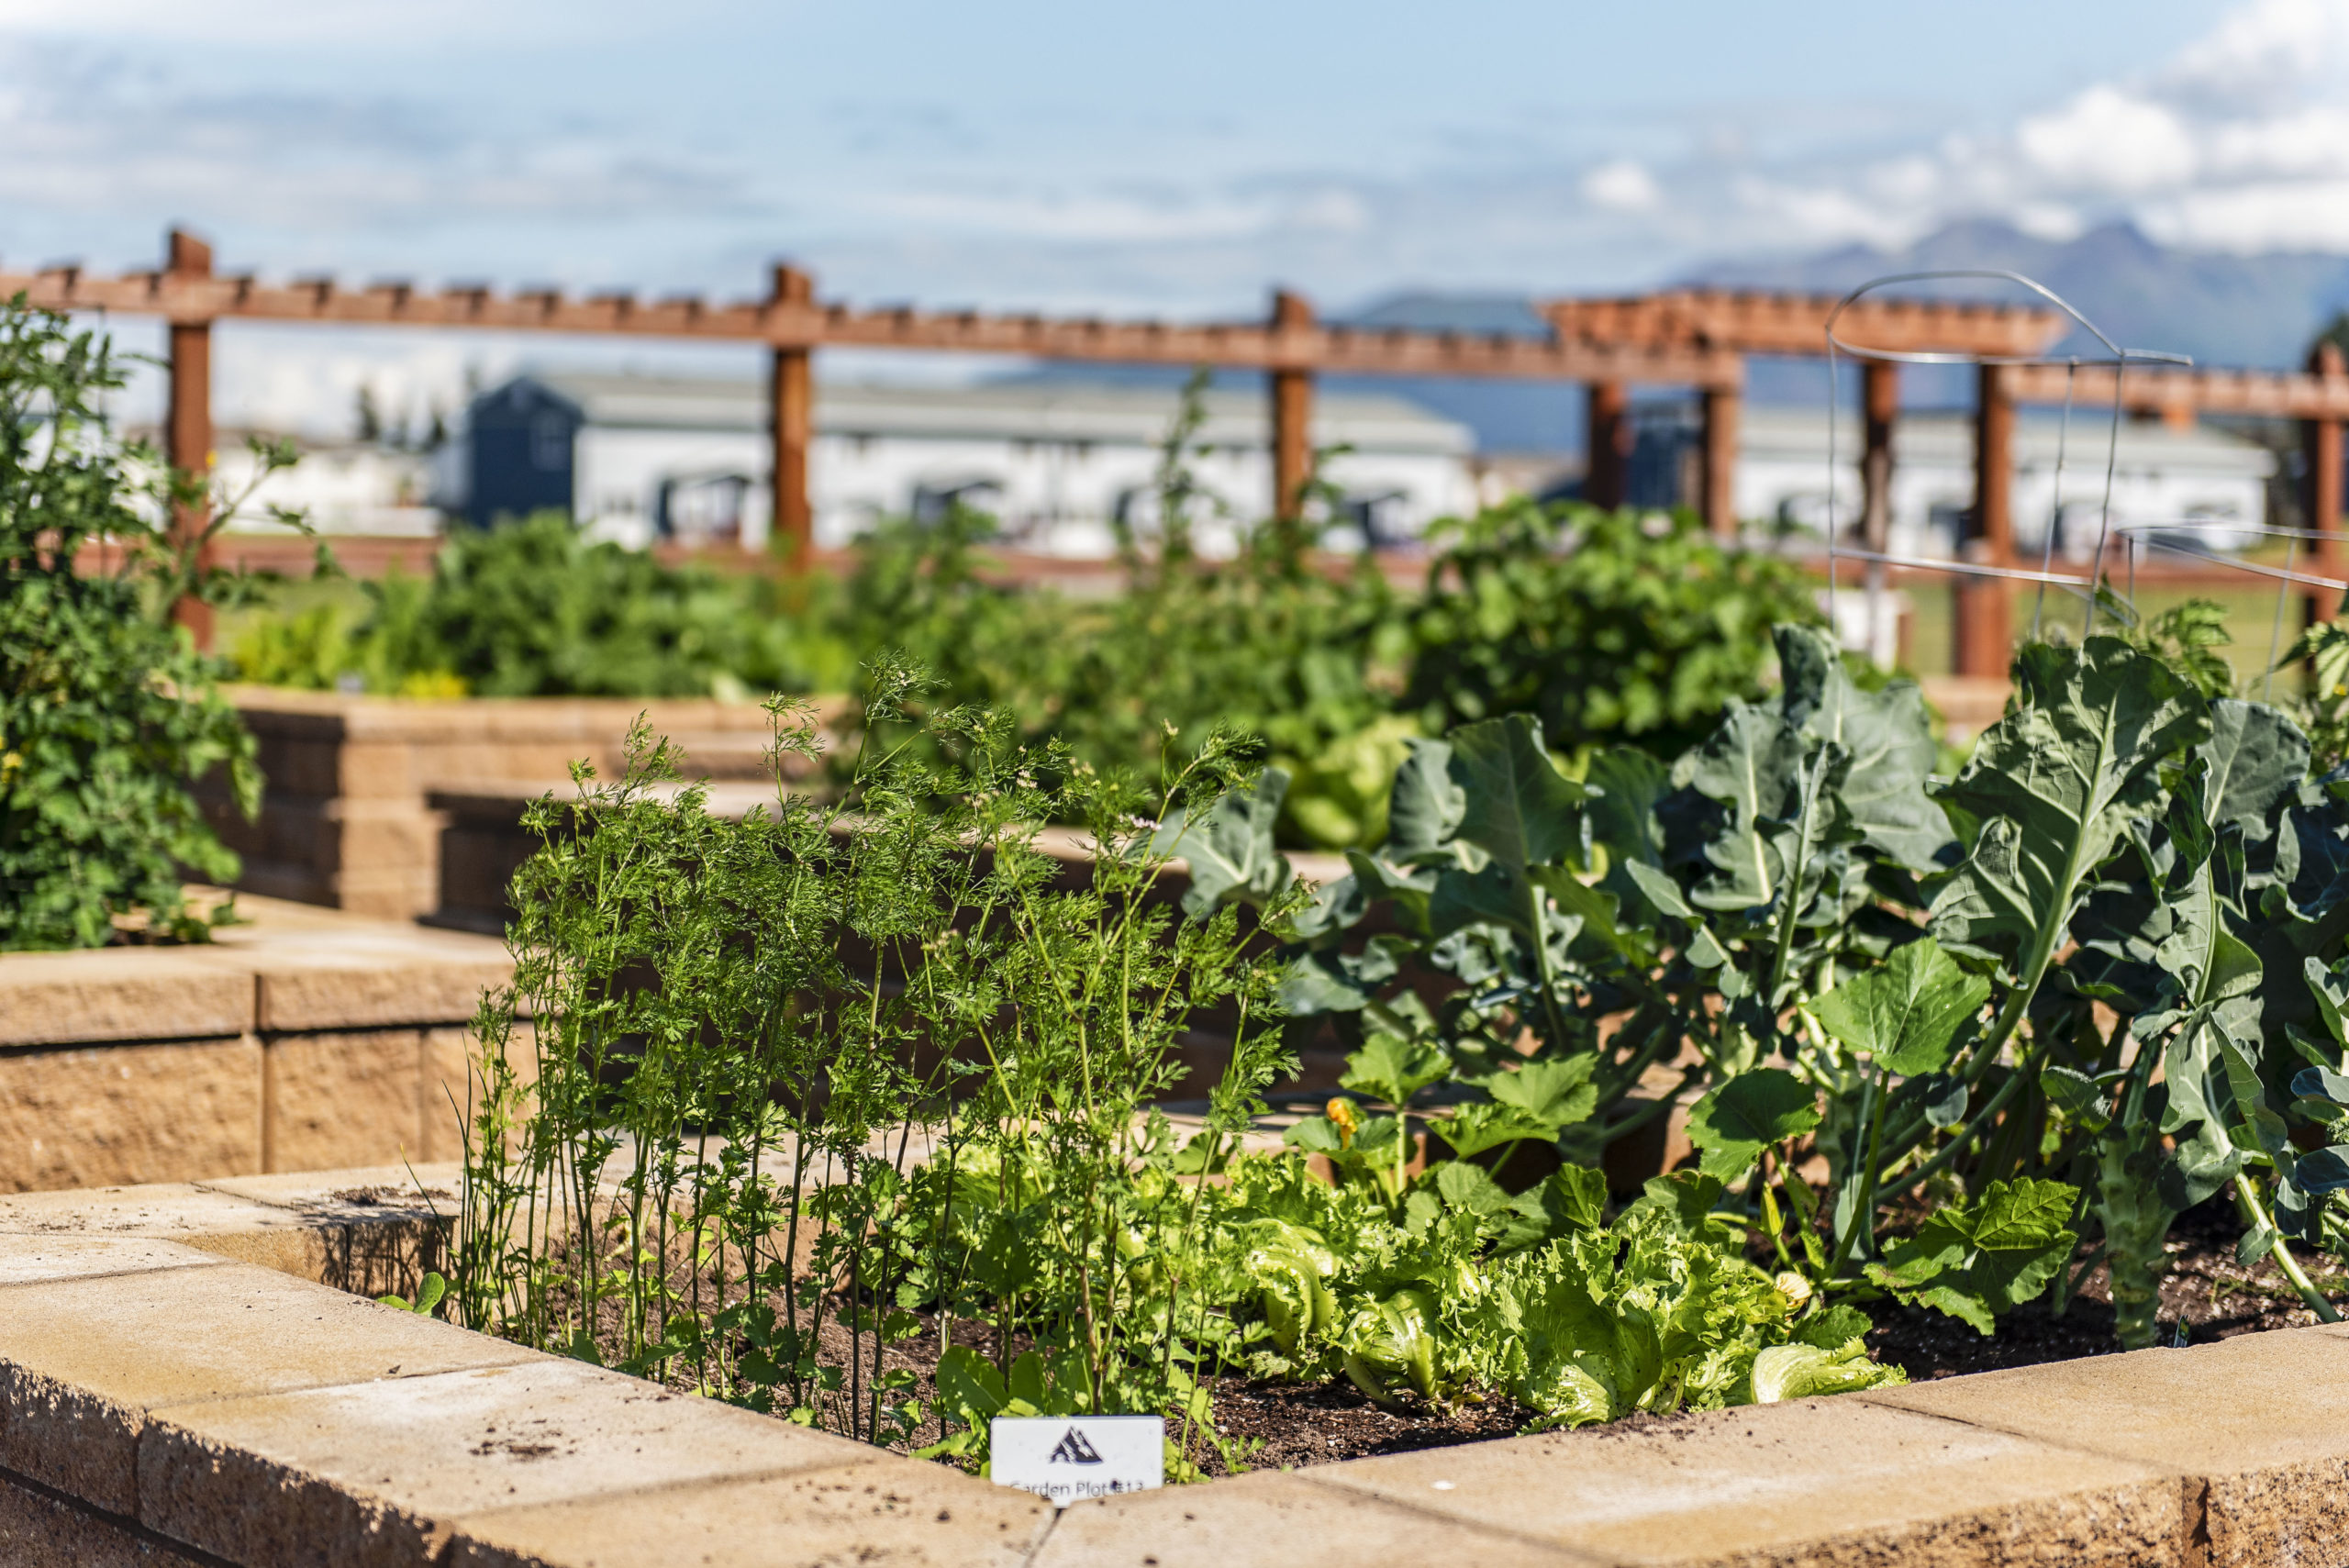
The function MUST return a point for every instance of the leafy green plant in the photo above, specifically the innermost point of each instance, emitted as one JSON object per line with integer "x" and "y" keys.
{"x": 1622, "y": 625}
{"x": 533, "y": 608}
{"x": 1858, "y": 961}
{"x": 429, "y": 1293}
{"x": 108, "y": 713}
{"x": 1265, "y": 645}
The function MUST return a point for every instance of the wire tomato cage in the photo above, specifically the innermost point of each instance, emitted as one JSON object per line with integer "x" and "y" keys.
{"x": 2133, "y": 537}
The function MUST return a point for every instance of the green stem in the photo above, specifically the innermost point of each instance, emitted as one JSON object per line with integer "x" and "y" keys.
{"x": 1864, "y": 1211}
{"x": 2025, "y": 1070}
{"x": 2247, "y": 1196}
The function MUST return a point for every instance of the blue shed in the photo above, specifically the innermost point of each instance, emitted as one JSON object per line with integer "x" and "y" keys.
{"x": 520, "y": 452}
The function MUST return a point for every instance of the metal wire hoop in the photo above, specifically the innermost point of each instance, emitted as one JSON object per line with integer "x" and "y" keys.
{"x": 2117, "y": 357}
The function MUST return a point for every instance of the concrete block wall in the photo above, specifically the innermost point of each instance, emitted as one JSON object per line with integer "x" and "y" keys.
{"x": 178, "y": 1385}
{"x": 344, "y": 821}
{"x": 304, "y": 1039}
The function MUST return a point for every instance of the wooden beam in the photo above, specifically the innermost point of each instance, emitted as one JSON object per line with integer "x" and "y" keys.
{"x": 1292, "y": 408}
{"x": 2147, "y": 389}
{"x": 1879, "y": 412}
{"x": 809, "y": 324}
{"x": 1608, "y": 444}
{"x": 187, "y": 423}
{"x": 791, "y": 403}
{"x": 1796, "y": 324}
{"x": 1984, "y": 627}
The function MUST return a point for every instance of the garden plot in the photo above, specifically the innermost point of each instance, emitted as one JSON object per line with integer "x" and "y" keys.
{"x": 1955, "y": 1049}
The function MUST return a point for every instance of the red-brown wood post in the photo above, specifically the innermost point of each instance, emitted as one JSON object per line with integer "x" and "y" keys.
{"x": 187, "y": 419}
{"x": 1610, "y": 445}
{"x": 1718, "y": 472}
{"x": 1292, "y": 389}
{"x": 1880, "y": 407}
{"x": 2320, "y": 492}
{"x": 1984, "y": 629}
{"x": 791, "y": 406}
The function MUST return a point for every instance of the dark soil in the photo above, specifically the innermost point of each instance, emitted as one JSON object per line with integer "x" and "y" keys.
{"x": 2206, "y": 1295}
{"x": 1280, "y": 1425}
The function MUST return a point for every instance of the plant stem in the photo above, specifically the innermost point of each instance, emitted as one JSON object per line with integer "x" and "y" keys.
{"x": 2024, "y": 1071}
{"x": 2247, "y": 1197}
{"x": 1864, "y": 1211}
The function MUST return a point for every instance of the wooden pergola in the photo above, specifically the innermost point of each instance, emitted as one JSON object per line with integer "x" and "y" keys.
{"x": 1697, "y": 339}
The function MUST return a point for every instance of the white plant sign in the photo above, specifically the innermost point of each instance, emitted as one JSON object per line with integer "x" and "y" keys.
{"x": 1067, "y": 1458}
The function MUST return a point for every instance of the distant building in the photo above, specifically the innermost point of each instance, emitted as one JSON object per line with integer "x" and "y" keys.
{"x": 2193, "y": 480}
{"x": 347, "y": 487}
{"x": 641, "y": 458}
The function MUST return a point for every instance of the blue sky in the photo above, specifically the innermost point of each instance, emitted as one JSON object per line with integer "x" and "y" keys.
{"x": 1038, "y": 155}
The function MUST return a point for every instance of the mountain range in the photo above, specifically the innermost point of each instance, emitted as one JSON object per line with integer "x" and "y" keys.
{"x": 2254, "y": 311}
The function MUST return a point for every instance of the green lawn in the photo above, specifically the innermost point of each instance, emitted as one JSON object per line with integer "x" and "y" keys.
{"x": 2251, "y": 614}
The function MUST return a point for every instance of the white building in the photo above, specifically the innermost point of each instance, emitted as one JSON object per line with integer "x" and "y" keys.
{"x": 349, "y": 487}
{"x": 2193, "y": 479}
{"x": 640, "y": 458}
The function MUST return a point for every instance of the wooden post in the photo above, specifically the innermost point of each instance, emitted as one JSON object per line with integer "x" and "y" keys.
{"x": 187, "y": 421}
{"x": 1292, "y": 392}
{"x": 791, "y": 404}
{"x": 2320, "y": 492}
{"x": 1610, "y": 445}
{"x": 1880, "y": 407}
{"x": 1984, "y": 630}
{"x": 1718, "y": 498}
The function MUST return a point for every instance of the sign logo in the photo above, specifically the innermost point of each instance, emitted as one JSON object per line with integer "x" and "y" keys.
{"x": 1072, "y": 1449}
{"x": 1068, "y": 1459}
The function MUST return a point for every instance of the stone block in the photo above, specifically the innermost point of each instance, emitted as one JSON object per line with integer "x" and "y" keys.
{"x": 101, "y": 1116}
{"x": 888, "y": 1510}
{"x": 2261, "y": 1420}
{"x": 174, "y": 1211}
{"x": 118, "y": 994}
{"x": 376, "y": 1472}
{"x": 1280, "y": 1521}
{"x": 38, "y": 1531}
{"x": 371, "y": 1231}
{"x": 83, "y": 1362}
{"x": 371, "y": 770}
{"x": 341, "y": 1099}
{"x": 35, "y": 1259}
{"x": 358, "y": 1195}
{"x": 1819, "y": 1482}
{"x": 367, "y": 981}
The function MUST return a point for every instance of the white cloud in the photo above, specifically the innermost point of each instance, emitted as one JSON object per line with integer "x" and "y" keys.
{"x": 2239, "y": 143}
{"x": 2299, "y": 215}
{"x": 2109, "y": 141}
{"x": 1622, "y": 185}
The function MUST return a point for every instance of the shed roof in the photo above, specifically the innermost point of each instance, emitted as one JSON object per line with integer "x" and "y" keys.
{"x": 999, "y": 411}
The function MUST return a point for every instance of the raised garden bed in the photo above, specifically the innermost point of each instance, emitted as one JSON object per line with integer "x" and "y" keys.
{"x": 161, "y": 1403}
{"x": 301, "y": 1037}
{"x": 344, "y": 819}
